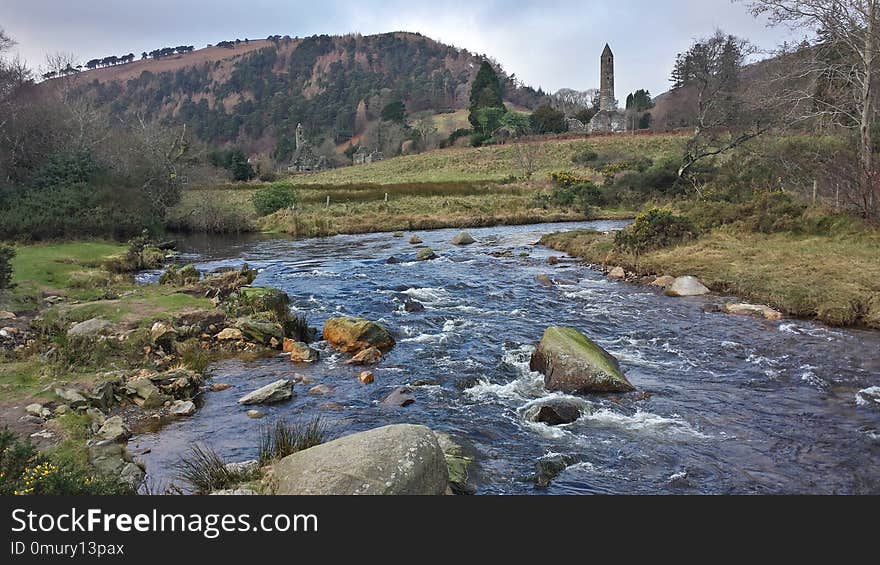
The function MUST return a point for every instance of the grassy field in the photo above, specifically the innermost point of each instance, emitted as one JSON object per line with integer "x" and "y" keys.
{"x": 72, "y": 270}
{"x": 455, "y": 187}
{"x": 835, "y": 279}
{"x": 496, "y": 162}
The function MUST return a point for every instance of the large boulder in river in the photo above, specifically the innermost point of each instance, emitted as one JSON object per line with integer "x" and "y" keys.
{"x": 355, "y": 334}
{"x": 686, "y": 286}
{"x": 463, "y": 238}
{"x": 400, "y": 459}
{"x": 277, "y": 391}
{"x": 572, "y": 363}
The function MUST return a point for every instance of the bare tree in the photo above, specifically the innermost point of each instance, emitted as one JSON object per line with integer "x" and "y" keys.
{"x": 837, "y": 75}
{"x": 724, "y": 117}
{"x": 526, "y": 157}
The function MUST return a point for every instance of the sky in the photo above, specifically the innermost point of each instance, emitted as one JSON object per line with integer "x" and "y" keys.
{"x": 550, "y": 44}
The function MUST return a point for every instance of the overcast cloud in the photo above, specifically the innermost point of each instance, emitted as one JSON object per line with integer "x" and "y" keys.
{"x": 550, "y": 44}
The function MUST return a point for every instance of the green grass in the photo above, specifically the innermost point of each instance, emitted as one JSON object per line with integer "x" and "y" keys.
{"x": 494, "y": 163}
{"x": 50, "y": 265}
{"x": 835, "y": 279}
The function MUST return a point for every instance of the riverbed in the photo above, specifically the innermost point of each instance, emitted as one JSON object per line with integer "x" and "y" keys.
{"x": 726, "y": 404}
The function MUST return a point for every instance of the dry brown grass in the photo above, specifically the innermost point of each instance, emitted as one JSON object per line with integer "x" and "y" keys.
{"x": 835, "y": 279}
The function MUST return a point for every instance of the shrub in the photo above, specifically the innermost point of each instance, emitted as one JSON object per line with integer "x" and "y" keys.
{"x": 654, "y": 229}
{"x": 25, "y": 471}
{"x": 208, "y": 215}
{"x": 565, "y": 179}
{"x": 268, "y": 176}
{"x": 205, "y": 471}
{"x": 6, "y": 255}
{"x": 280, "y": 439}
{"x": 585, "y": 157}
{"x": 180, "y": 276}
{"x": 273, "y": 198}
{"x": 297, "y": 327}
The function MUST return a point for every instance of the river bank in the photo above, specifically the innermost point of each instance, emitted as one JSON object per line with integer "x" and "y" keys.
{"x": 832, "y": 279}
{"x": 327, "y": 210}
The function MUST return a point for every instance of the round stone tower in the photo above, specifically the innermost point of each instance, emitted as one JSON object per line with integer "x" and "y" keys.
{"x": 606, "y": 91}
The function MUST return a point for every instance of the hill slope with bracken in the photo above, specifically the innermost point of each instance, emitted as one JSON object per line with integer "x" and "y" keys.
{"x": 254, "y": 94}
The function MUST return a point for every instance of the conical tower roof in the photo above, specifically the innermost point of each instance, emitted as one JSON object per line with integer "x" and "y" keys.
{"x": 607, "y": 51}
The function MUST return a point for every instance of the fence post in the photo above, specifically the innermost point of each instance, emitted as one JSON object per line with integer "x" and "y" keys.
{"x": 328, "y": 201}
{"x": 815, "y": 190}
{"x": 386, "y": 197}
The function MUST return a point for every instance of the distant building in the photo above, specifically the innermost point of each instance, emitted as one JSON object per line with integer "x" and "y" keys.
{"x": 304, "y": 158}
{"x": 609, "y": 119}
{"x": 364, "y": 157}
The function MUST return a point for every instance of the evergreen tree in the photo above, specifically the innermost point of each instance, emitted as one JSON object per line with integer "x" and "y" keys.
{"x": 485, "y": 93}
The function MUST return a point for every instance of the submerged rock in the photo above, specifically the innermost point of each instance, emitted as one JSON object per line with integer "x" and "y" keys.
{"x": 356, "y": 334}
{"x": 412, "y": 306}
{"x": 366, "y": 377}
{"x": 753, "y": 310}
{"x": 544, "y": 280}
{"x": 555, "y": 412}
{"x": 393, "y": 460}
{"x": 369, "y": 356}
{"x": 572, "y": 363}
{"x": 463, "y": 238}
{"x": 399, "y": 397}
{"x": 425, "y": 254}
{"x": 277, "y": 391}
{"x": 686, "y": 286}
{"x": 549, "y": 467}
{"x": 415, "y": 240}
{"x": 320, "y": 390}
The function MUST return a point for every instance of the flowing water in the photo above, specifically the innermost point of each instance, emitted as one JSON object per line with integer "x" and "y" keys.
{"x": 735, "y": 404}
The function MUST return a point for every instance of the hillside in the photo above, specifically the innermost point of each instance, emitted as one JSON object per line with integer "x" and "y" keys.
{"x": 254, "y": 94}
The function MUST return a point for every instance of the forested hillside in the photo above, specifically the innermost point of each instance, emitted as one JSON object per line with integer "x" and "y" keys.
{"x": 336, "y": 86}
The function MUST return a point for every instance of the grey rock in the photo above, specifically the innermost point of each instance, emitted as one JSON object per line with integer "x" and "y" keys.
{"x": 686, "y": 286}
{"x": 277, "y": 391}
{"x": 71, "y": 397}
{"x": 399, "y": 397}
{"x": 572, "y": 363}
{"x": 183, "y": 408}
{"x": 114, "y": 429}
{"x": 549, "y": 467}
{"x": 235, "y": 492}
{"x": 393, "y": 460}
{"x": 90, "y": 328}
{"x": 463, "y": 238}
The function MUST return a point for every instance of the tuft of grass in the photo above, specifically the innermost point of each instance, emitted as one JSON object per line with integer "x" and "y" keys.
{"x": 280, "y": 439}
{"x": 205, "y": 471}
{"x": 193, "y": 356}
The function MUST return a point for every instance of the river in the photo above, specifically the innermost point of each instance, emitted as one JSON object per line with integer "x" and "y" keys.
{"x": 735, "y": 404}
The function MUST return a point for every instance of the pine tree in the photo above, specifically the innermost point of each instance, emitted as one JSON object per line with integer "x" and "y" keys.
{"x": 485, "y": 93}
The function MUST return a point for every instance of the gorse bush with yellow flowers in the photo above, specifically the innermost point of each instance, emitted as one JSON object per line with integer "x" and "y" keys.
{"x": 26, "y": 471}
